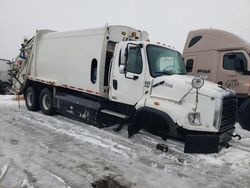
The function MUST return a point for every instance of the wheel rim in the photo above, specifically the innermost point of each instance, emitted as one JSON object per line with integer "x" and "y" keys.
{"x": 29, "y": 99}
{"x": 46, "y": 102}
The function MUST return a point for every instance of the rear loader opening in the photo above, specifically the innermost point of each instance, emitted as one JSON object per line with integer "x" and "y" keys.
{"x": 109, "y": 55}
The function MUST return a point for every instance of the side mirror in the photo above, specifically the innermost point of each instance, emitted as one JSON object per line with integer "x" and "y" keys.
{"x": 122, "y": 69}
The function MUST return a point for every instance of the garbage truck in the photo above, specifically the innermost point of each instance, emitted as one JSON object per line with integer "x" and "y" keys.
{"x": 5, "y": 79}
{"x": 223, "y": 58}
{"x": 115, "y": 75}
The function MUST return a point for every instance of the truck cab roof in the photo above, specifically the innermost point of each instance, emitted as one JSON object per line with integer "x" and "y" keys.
{"x": 213, "y": 39}
{"x": 147, "y": 42}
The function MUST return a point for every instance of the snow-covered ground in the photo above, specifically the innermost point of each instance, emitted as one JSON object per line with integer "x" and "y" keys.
{"x": 54, "y": 151}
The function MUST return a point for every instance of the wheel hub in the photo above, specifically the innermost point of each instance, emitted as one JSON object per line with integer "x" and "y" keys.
{"x": 46, "y": 102}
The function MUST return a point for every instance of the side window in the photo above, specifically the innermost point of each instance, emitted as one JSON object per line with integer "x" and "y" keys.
{"x": 120, "y": 54}
{"x": 231, "y": 59}
{"x": 134, "y": 62}
{"x": 93, "y": 74}
{"x": 194, "y": 40}
{"x": 189, "y": 65}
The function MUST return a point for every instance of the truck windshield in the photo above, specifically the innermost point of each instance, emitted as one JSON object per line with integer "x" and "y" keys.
{"x": 164, "y": 61}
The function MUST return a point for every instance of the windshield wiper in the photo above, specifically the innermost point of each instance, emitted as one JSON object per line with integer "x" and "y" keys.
{"x": 181, "y": 73}
{"x": 164, "y": 72}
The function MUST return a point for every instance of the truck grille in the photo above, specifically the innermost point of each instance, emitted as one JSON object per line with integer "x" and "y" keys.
{"x": 229, "y": 113}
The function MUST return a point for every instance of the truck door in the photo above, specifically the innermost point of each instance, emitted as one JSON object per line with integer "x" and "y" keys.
{"x": 126, "y": 85}
{"x": 229, "y": 72}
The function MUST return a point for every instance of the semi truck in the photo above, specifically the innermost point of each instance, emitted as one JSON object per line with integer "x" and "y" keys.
{"x": 5, "y": 79}
{"x": 223, "y": 58}
{"x": 115, "y": 75}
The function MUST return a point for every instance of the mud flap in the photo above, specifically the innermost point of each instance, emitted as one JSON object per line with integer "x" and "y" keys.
{"x": 202, "y": 144}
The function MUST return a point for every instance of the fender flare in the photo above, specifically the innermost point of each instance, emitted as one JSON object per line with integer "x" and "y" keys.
{"x": 135, "y": 126}
{"x": 162, "y": 114}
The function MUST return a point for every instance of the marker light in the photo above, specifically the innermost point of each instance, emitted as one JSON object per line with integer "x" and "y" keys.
{"x": 133, "y": 34}
{"x": 156, "y": 103}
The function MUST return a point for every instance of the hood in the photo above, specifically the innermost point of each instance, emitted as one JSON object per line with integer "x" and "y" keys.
{"x": 175, "y": 87}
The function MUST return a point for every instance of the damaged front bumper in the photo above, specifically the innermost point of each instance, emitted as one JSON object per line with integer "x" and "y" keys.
{"x": 206, "y": 142}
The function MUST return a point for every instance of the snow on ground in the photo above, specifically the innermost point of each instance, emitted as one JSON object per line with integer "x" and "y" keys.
{"x": 54, "y": 151}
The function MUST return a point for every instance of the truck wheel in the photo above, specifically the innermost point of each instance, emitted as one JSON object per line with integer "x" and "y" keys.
{"x": 158, "y": 124}
{"x": 45, "y": 102}
{"x": 31, "y": 99}
{"x": 5, "y": 87}
{"x": 244, "y": 114}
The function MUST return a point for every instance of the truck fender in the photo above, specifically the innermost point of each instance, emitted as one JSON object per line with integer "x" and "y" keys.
{"x": 142, "y": 103}
{"x": 139, "y": 118}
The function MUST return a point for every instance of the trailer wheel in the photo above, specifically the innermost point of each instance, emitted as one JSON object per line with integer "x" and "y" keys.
{"x": 244, "y": 117}
{"x": 31, "y": 99}
{"x": 45, "y": 102}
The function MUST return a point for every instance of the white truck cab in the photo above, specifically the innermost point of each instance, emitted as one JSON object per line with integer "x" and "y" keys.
{"x": 119, "y": 77}
{"x": 153, "y": 78}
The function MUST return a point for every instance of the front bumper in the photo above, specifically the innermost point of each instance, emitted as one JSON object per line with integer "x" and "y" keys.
{"x": 206, "y": 143}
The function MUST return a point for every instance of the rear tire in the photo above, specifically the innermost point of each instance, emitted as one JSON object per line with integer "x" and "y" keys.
{"x": 244, "y": 114}
{"x": 45, "y": 102}
{"x": 31, "y": 99}
{"x": 5, "y": 87}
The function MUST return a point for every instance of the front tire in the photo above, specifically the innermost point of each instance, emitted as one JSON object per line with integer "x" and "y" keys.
{"x": 244, "y": 114}
{"x": 157, "y": 124}
{"x": 45, "y": 102}
{"x": 31, "y": 99}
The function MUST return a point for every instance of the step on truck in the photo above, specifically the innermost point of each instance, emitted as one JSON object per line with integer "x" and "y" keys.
{"x": 114, "y": 75}
{"x": 223, "y": 58}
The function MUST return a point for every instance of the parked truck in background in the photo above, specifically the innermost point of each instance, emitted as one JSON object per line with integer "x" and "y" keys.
{"x": 223, "y": 58}
{"x": 113, "y": 74}
{"x": 5, "y": 79}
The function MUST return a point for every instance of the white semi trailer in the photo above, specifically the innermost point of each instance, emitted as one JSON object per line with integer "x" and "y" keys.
{"x": 113, "y": 75}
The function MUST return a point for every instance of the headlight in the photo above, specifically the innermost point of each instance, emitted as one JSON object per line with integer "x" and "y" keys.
{"x": 194, "y": 118}
{"x": 197, "y": 82}
{"x": 217, "y": 118}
